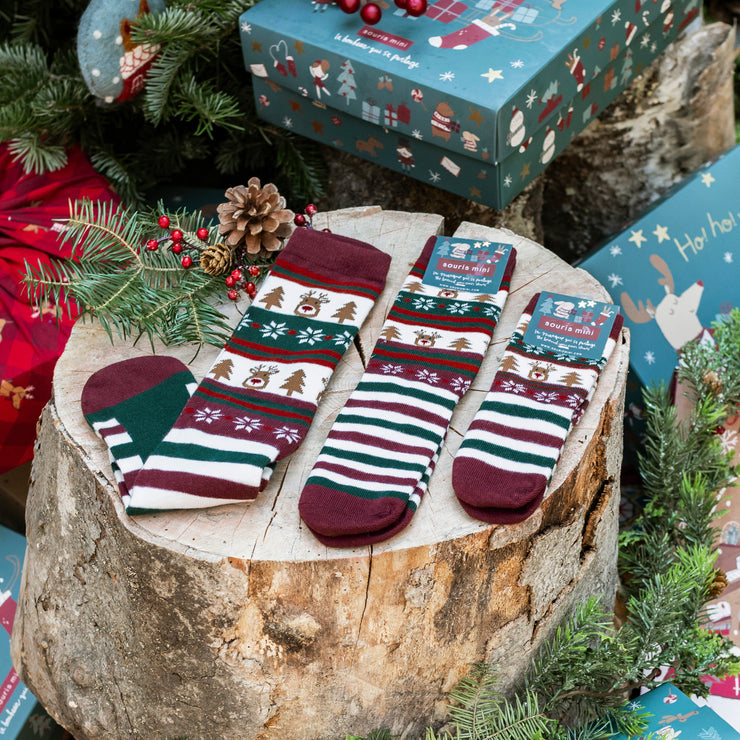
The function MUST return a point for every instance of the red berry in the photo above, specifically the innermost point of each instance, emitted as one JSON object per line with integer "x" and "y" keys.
{"x": 415, "y": 8}
{"x": 400, "y": 4}
{"x": 253, "y": 295}
{"x": 176, "y": 247}
{"x": 237, "y": 274}
{"x": 328, "y": 231}
{"x": 349, "y": 6}
{"x": 250, "y": 287}
{"x": 187, "y": 261}
{"x": 152, "y": 244}
{"x": 230, "y": 282}
{"x": 202, "y": 233}
{"x": 311, "y": 209}
{"x": 176, "y": 235}
{"x": 371, "y": 13}
{"x": 254, "y": 271}
{"x": 299, "y": 220}
{"x": 233, "y": 294}
{"x": 163, "y": 221}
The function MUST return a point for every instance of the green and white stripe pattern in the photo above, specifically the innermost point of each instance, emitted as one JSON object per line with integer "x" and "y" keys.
{"x": 368, "y": 473}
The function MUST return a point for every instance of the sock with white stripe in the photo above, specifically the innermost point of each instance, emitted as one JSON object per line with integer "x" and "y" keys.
{"x": 366, "y": 478}
{"x": 258, "y": 400}
{"x": 131, "y": 405}
{"x": 507, "y": 458}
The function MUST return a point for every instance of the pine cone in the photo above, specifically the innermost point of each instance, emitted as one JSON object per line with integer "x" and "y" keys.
{"x": 718, "y": 584}
{"x": 216, "y": 259}
{"x": 255, "y": 216}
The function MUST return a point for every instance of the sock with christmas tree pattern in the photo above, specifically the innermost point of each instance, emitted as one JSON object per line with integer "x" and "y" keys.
{"x": 131, "y": 405}
{"x": 431, "y": 347}
{"x": 509, "y": 453}
{"x": 258, "y": 400}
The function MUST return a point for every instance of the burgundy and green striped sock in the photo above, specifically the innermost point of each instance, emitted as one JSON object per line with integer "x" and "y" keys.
{"x": 131, "y": 405}
{"x": 258, "y": 400}
{"x": 366, "y": 478}
{"x": 507, "y": 458}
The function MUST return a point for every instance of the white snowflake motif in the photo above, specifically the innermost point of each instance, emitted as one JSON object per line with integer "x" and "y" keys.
{"x": 511, "y": 386}
{"x": 310, "y": 335}
{"x": 546, "y": 396}
{"x": 727, "y": 257}
{"x": 427, "y": 376}
{"x": 460, "y": 385}
{"x": 434, "y": 176}
{"x": 424, "y": 304}
{"x": 615, "y": 250}
{"x": 649, "y": 357}
{"x": 573, "y": 400}
{"x": 616, "y": 16}
{"x": 287, "y": 122}
{"x": 391, "y": 369}
{"x": 517, "y": 64}
{"x": 208, "y": 415}
{"x": 614, "y": 279}
{"x": 247, "y": 424}
{"x": 447, "y": 76}
{"x": 507, "y": 181}
{"x": 344, "y": 339}
{"x": 728, "y": 440}
{"x": 458, "y": 308}
{"x": 246, "y": 28}
{"x": 417, "y": 134}
{"x": 491, "y": 311}
{"x": 288, "y": 434}
{"x": 273, "y": 330}
{"x": 532, "y": 98}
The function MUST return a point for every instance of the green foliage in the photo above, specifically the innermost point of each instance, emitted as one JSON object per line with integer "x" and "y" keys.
{"x": 130, "y": 290}
{"x": 194, "y": 123}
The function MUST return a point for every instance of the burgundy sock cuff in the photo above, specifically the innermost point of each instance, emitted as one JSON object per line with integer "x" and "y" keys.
{"x": 342, "y": 258}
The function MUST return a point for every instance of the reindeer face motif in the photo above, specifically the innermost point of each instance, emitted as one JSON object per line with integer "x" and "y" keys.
{"x": 447, "y": 293}
{"x": 426, "y": 338}
{"x": 675, "y": 315}
{"x": 259, "y": 377}
{"x": 540, "y": 372}
{"x": 310, "y": 304}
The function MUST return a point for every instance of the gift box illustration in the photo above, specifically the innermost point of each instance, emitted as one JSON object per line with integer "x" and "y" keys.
{"x": 498, "y": 87}
{"x": 675, "y": 270}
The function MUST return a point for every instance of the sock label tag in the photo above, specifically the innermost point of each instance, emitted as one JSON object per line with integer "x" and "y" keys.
{"x": 469, "y": 265}
{"x": 576, "y": 327}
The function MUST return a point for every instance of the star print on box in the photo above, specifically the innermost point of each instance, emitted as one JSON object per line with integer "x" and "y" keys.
{"x": 456, "y": 79}
{"x": 676, "y": 269}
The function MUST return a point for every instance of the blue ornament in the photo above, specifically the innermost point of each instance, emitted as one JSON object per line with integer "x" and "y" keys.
{"x": 114, "y": 68}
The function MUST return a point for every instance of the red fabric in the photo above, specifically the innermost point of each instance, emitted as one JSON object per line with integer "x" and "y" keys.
{"x": 30, "y": 344}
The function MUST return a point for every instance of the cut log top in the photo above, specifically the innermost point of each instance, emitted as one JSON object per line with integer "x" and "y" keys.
{"x": 270, "y": 529}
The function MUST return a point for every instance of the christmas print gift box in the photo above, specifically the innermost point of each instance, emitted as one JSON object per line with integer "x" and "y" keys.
{"x": 495, "y": 87}
{"x": 676, "y": 269}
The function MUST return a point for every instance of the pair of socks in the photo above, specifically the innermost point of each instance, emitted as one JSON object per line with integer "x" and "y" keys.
{"x": 175, "y": 444}
{"x": 374, "y": 468}
{"x": 506, "y": 460}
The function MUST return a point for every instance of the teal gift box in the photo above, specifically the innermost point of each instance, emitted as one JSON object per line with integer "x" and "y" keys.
{"x": 675, "y": 270}
{"x": 473, "y": 97}
{"x": 673, "y": 716}
{"x": 21, "y": 716}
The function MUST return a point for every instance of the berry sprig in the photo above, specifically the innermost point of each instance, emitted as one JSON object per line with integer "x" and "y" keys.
{"x": 305, "y": 219}
{"x": 241, "y": 277}
{"x": 371, "y": 13}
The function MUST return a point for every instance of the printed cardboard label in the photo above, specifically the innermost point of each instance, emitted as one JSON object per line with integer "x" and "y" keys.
{"x": 578, "y": 327}
{"x": 470, "y": 265}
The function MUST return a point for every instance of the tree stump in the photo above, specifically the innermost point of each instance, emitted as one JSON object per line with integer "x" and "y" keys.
{"x": 235, "y": 623}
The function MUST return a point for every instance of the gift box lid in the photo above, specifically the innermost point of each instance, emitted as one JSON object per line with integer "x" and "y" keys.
{"x": 675, "y": 270}
{"x": 497, "y": 69}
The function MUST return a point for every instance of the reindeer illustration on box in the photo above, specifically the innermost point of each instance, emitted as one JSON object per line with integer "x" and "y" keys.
{"x": 675, "y": 315}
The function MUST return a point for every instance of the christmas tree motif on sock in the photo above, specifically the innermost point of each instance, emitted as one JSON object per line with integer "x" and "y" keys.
{"x": 131, "y": 405}
{"x": 257, "y": 402}
{"x": 367, "y": 476}
{"x": 507, "y": 458}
